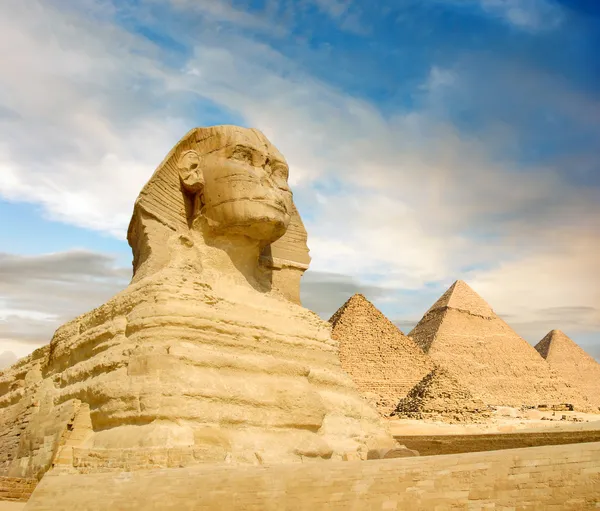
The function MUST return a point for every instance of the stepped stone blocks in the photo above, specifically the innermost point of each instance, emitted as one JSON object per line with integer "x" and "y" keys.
{"x": 439, "y": 396}
{"x": 206, "y": 356}
{"x": 382, "y": 361}
{"x": 573, "y": 364}
{"x": 461, "y": 333}
{"x": 16, "y": 489}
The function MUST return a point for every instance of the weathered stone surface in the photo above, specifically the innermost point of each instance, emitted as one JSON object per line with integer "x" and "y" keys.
{"x": 439, "y": 396}
{"x": 16, "y": 489}
{"x": 461, "y": 333}
{"x": 207, "y": 355}
{"x": 572, "y": 363}
{"x": 564, "y": 477}
{"x": 382, "y": 361}
{"x": 388, "y": 454}
{"x": 32, "y": 424}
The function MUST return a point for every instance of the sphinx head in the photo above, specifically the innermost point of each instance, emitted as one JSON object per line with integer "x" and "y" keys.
{"x": 223, "y": 192}
{"x": 238, "y": 182}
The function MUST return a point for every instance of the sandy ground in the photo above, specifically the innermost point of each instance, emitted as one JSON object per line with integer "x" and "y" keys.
{"x": 11, "y": 506}
{"x": 504, "y": 420}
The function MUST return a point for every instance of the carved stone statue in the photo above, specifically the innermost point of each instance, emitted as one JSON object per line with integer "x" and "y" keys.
{"x": 207, "y": 356}
{"x": 225, "y": 190}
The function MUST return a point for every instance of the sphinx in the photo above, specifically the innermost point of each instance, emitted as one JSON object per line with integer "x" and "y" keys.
{"x": 208, "y": 355}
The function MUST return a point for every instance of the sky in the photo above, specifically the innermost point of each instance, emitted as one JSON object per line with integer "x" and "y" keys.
{"x": 428, "y": 141}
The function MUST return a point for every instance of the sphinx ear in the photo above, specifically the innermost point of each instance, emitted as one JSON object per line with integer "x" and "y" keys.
{"x": 190, "y": 171}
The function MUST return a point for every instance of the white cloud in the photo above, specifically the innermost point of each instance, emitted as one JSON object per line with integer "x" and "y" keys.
{"x": 82, "y": 126}
{"x": 556, "y": 285}
{"x": 527, "y": 15}
{"x": 439, "y": 77}
{"x": 382, "y": 238}
{"x": 532, "y": 15}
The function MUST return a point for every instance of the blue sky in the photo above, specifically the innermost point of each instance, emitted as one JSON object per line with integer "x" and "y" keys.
{"x": 428, "y": 141}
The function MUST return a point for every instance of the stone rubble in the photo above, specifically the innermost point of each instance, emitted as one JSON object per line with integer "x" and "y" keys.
{"x": 440, "y": 397}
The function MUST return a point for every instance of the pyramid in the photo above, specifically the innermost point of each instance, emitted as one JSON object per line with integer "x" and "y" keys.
{"x": 383, "y": 362}
{"x": 439, "y": 396}
{"x": 461, "y": 333}
{"x": 572, "y": 363}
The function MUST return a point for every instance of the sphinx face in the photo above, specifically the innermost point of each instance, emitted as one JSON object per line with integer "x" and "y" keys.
{"x": 245, "y": 188}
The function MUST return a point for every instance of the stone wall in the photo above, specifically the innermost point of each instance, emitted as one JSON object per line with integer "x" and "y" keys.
{"x": 556, "y": 477}
{"x": 16, "y": 488}
{"x": 432, "y": 445}
{"x": 129, "y": 460}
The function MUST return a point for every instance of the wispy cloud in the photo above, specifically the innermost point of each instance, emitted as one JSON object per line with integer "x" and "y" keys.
{"x": 528, "y": 15}
{"x": 225, "y": 11}
{"x": 439, "y": 78}
{"x": 535, "y": 15}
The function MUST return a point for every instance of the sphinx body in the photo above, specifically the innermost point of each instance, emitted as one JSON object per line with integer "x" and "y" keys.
{"x": 207, "y": 356}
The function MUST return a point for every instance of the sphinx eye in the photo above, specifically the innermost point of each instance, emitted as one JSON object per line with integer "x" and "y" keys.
{"x": 242, "y": 154}
{"x": 193, "y": 166}
{"x": 279, "y": 169}
{"x": 279, "y": 174}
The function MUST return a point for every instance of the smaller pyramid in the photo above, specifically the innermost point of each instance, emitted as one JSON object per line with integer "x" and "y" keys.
{"x": 572, "y": 363}
{"x": 383, "y": 362}
{"x": 439, "y": 396}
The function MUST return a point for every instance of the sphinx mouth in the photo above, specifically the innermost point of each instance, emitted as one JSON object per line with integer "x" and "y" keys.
{"x": 275, "y": 204}
{"x": 279, "y": 205}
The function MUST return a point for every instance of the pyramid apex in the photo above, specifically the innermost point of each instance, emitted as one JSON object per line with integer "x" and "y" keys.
{"x": 553, "y": 339}
{"x": 461, "y": 296}
{"x": 356, "y": 297}
{"x": 554, "y": 333}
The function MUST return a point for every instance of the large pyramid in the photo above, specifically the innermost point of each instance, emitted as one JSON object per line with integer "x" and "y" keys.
{"x": 572, "y": 363}
{"x": 462, "y": 333}
{"x": 439, "y": 396}
{"x": 381, "y": 360}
